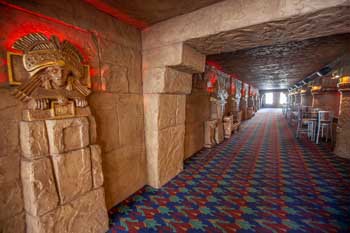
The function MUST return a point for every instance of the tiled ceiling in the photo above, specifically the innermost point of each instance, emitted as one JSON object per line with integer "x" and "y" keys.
{"x": 279, "y": 66}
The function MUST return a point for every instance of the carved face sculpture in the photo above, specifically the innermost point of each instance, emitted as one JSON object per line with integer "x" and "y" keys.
{"x": 57, "y": 76}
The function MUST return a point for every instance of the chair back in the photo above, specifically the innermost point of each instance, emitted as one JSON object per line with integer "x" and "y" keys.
{"x": 325, "y": 116}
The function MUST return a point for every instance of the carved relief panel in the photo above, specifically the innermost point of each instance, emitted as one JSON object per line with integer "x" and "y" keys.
{"x": 61, "y": 165}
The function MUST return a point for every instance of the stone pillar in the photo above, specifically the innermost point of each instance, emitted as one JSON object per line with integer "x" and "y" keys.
{"x": 297, "y": 98}
{"x": 326, "y": 95}
{"x": 250, "y": 108}
{"x": 342, "y": 146}
{"x": 61, "y": 172}
{"x": 243, "y": 107}
{"x": 306, "y": 96}
{"x": 167, "y": 78}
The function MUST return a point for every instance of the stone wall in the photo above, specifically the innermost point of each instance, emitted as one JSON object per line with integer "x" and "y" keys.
{"x": 197, "y": 112}
{"x": 113, "y": 51}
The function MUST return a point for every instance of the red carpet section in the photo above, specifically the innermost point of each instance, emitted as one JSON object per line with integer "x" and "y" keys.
{"x": 260, "y": 180}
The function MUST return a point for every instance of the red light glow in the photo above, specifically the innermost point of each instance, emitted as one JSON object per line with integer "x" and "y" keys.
{"x": 100, "y": 5}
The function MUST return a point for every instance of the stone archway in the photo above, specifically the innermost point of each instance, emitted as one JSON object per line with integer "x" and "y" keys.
{"x": 176, "y": 48}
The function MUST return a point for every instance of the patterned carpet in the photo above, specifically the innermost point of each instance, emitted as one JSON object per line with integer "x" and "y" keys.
{"x": 260, "y": 180}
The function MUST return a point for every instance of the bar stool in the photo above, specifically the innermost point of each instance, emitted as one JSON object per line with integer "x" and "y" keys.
{"x": 325, "y": 121}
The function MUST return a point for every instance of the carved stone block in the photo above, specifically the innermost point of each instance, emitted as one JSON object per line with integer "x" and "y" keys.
{"x": 228, "y": 126}
{"x": 219, "y": 132}
{"x": 34, "y": 142}
{"x": 87, "y": 214}
{"x": 167, "y": 80}
{"x": 39, "y": 189}
{"x": 209, "y": 137}
{"x": 171, "y": 152}
{"x": 124, "y": 172}
{"x": 93, "y": 129}
{"x": 73, "y": 173}
{"x": 67, "y": 134}
{"x": 96, "y": 164}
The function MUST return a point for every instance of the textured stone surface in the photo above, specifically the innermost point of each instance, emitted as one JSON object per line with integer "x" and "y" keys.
{"x": 219, "y": 132}
{"x": 155, "y": 11}
{"x": 92, "y": 129}
{"x": 87, "y": 214}
{"x": 96, "y": 165}
{"x": 327, "y": 101}
{"x": 73, "y": 173}
{"x": 120, "y": 129}
{"x": 171, "y": 153}
{"x": 10, "y": 114}
{"x": 210, "y": 129}
{"x": 39, "y": 188}
{"x": 162, "y": 110}
{"x": 120, "y": 70}
{"x": 197, "y": 112}
{"x": 342, "y": 146}
{"x": 178, "y": 56}
{"x": 11, "y": 202}
{"x": 166, "y": 80}
{"x": 13, "y": 224}
{"x": 67, "y": 134}
{"x": 124, "y": 172}
{"x": 194, "y": 138}
{"x": 34, "y": 142}
{"x": 9, "y": 168}
{"x": 288, "y": 20}
{"x": 280, "y": 65}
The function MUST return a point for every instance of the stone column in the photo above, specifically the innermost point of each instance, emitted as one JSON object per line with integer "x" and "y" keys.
{"x": 167, "y": 78}
{"x": 61, "y": 172}
{"x": 306, "y": 97}
{"x": 250, "y": 108}
{"x": 243, "y": 107}
{"x": 342, "y": 146}
{"x": 297, "y": 98}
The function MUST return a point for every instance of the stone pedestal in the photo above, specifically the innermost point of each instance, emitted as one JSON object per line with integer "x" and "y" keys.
{"x": 209, "y": 133}
{"x": 61, "y": 171}
{"x": 342, "y": 147}
{"x": 250, "y": 112}
{"x": 243, "y": 107}
{"x": 228, "y": 126}
{"x": 219, "y": 132}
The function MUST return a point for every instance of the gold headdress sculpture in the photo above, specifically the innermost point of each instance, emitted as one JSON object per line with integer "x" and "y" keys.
{"x": 55, "y": 69}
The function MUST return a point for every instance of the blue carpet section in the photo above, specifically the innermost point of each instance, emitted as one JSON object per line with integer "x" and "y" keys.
{"x": 260, "y": 180}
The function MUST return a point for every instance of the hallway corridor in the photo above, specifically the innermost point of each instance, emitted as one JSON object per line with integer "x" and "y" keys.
{"x": 260, "y": 180}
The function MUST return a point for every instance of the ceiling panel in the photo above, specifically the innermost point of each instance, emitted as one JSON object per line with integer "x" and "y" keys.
{"x": 279, "y": 66}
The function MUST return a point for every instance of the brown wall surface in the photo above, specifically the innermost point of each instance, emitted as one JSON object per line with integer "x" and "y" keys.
{"x": 197, "y": 112}
{"x": 112, "y": 49}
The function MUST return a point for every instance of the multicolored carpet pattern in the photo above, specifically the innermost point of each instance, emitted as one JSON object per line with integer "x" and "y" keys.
{"x": 262, "y": 179}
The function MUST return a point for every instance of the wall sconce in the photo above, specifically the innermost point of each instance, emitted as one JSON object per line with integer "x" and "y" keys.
{"x": 316, "y": 88}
